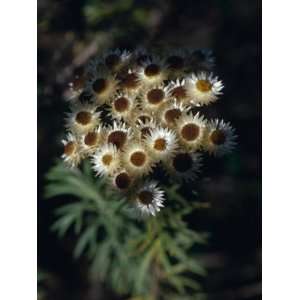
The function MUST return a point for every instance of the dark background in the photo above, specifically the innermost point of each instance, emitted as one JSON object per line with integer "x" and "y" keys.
{"x": 69, "y": 32}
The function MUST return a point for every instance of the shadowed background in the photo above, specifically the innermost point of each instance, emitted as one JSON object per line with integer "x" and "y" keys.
{"x": 69, "y": 33}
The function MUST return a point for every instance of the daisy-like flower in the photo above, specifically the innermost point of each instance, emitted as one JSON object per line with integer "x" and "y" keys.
{"x": 161, "y": 143}
{"x": 184, "y": 166}
{"x": 106, "y": 161}
{"x": 136, "y": 160}
{"x": 91, "y": 141}
{"x": 122, "y": 180}
{"x": 82, "y": 119}
{"x": 220, "y": 138}
{"x": 170, "y": 112}
{"x": 154, "y": 97}
{"x": 175, "y": 63}
{"x": 102, "y": 87}
{"x": 118, "y": 134}
{"x": 71, "y": 155}
{"x": 122, "y": 106}
{"x": 203, "y": 88}
{"x": 191, "y": 130}
{"x": 114, "y": 60}
{"x": 143, "y": 129}
{"x": 130, "y": 82}
{"x": 152, "y": 72}
{"x": 178, "y": 90}
{"x": 148, "y": 199}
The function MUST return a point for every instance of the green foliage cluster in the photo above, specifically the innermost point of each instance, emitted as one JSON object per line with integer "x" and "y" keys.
{"x": 141, "y": 259}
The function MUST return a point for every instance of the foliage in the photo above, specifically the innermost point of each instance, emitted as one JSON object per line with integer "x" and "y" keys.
{"x": 144, "y": 259}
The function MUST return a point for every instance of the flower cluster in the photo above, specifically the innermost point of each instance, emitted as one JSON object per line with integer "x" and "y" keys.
{"x": 133, "y": 111}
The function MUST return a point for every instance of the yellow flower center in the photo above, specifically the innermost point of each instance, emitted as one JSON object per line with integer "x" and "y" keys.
{"x": 107, "y": 159}
{"x": 160, "y": 144}
{"x": 203, "y": 86}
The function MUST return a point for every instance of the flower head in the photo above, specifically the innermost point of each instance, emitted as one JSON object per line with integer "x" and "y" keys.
{"x": 220, "y": 138}
{"x": 72, "y": 154}
{"x": 148, "y": 199}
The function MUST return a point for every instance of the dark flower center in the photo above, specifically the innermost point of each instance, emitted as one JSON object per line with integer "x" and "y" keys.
{"x": 152, "y": 70}
{"x": 69, "y": 148}
{"x": 138, "y": 158}
{"x": 182, "y": 162}
{"x": 172, "y": 114}
{"x": 117, "y": 138}
{"x": 190, "y": 132}
{"x": 155, "y": 96}
{"x": 100, "y": 85}
{"x": 121, "y": 104}
{"x": 145, "y": 197}
{"x": 83, "y": 117}
{"x": 218, "y": 137}
{"x": 91, "y": 139}
{"x": 122, "y": 181}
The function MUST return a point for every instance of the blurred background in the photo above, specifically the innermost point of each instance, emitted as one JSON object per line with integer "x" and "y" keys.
{"x": 69, "y": 33}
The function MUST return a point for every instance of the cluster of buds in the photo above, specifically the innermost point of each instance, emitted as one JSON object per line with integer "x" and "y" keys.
{"x": 132, "y": 112}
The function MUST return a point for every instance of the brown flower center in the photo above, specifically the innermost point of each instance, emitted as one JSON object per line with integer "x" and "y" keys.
{"x": 138, "y": 158}
{"x": 83, "y": 117}
{"x": 152, "y": 70}
{"x": 190, "y": 132}
{"x": 155, "y": 96}
{"x": 100, "y": 85}
{"x": 121, "y": 104}
{"x": 107, "y": 159}
{"x": 182, "y": 162}
{"x": 203, "y": 86}
{"x": 175, "y": 62}
{"x": 91, "y": 139}
{"x": 69, "y": 148}
{"x": 130, "y": 81}
{"x": 172, "y": 114}
{"x": 179, "y": 92}
{"x": 112, "y": 61}
{"x": 145, "y": 197}
{"x": 218, "y": 137}
{"x": 122, "y": 181}
{"x": 117, "y": 138}
{"x": 160, "y": 144}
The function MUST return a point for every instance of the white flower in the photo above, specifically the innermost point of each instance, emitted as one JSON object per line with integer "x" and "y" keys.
{"x": 203, "y": 88}
{"x": 71, "y": 155}
{"x": 191, "y": 131}
{"x": 152, "y": 98}
{"x": 161, "y": 143}
{"x": 82, "y": 119}
{"x": 148, "y": 199}
{"x": 118, "y": 134}
{"x": 184, "y": 166}
{"x": 136, "y": 160}
{"x": 152, "y": 72}
{"x": 106, "y": 161}
{"x": 220, "y": 138}
{"x": 170, "y": 112}
{"x": 91, "y": 140}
